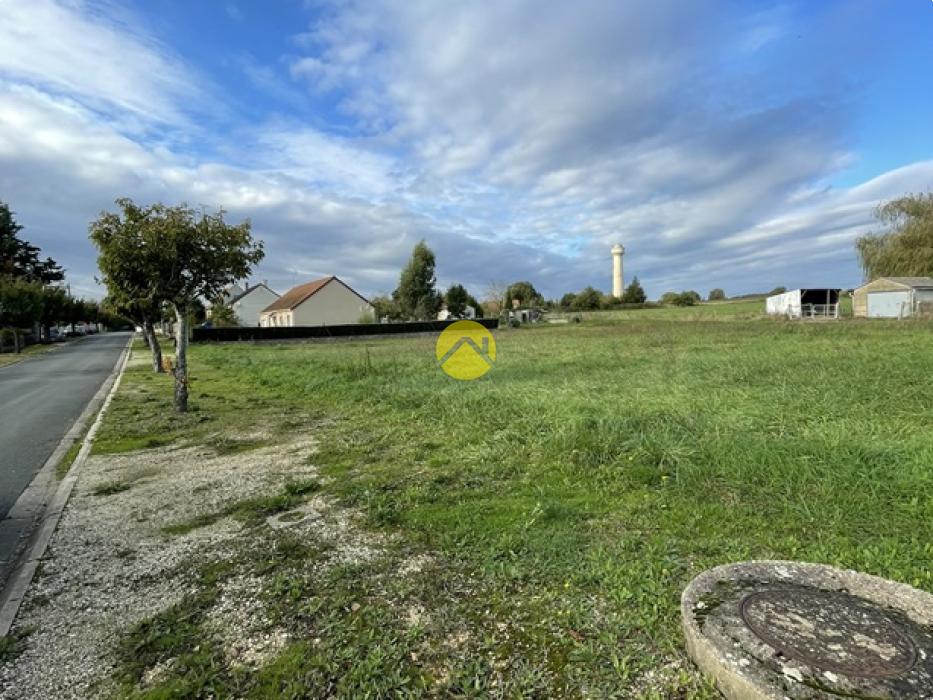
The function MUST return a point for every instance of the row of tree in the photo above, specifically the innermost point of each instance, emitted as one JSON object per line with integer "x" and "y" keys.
{"x": 417, "y": 298}
{"x": 159, "y": 258}
{"x": 33, "y": 297}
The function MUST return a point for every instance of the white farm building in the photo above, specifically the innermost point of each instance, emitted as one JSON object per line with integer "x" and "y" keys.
{"x": 324, "y": 302}
{"x": 893, "y": 297}
{"x": 804, "y": 303}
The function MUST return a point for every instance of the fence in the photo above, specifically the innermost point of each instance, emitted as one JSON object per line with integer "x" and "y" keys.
{"x": 819, "y": 311}
{"x": 258, "y": 333}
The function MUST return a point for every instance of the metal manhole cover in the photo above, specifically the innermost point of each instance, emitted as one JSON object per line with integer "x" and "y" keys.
{"x": 830, "y": 630}
{"x": 783, "y": 630}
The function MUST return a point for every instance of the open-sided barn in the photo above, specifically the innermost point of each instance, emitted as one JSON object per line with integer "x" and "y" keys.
{"x": 804, "y": 303}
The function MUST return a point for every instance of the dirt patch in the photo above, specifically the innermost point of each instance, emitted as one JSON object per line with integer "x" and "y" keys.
{"x": 111, "y": 565}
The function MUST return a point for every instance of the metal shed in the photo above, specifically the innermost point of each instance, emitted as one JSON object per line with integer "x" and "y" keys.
{"x": 893, "y": 297}
{"x": 805, "y": 303}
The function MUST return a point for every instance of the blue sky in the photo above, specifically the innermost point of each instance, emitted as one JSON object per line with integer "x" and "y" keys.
{"x": 726, "y": 144}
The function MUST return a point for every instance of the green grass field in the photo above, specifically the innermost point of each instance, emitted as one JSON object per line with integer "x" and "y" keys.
{"x": 9, "y": 358}
{"x": 570, "y": 494}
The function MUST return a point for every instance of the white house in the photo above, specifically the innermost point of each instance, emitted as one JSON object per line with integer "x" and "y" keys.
{"x": 444, "y": 314}
{"x": 248, "y": 305}
{"x": 324, "y": 302}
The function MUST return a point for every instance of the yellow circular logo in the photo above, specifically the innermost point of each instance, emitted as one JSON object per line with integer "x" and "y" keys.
{"x": 465, "y": 350}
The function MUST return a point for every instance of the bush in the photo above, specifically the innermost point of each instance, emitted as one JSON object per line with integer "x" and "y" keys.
{"x": 716, "y": 295}
{"x": 686, "y": 298}
{"x": 587, "y": 300}
{"x": 611, "y": 302}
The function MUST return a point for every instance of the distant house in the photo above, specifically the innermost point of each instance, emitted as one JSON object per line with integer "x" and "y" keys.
{"x": 444, "y": 314}
{"x": 246, "y": 303}
{"x": 804, "y": 303}
{"x": 327, "y": 301}
{"x": 893, "y": 297}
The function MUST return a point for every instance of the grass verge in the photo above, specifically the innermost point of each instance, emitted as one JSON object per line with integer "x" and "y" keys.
{"x": 570, "y": 494}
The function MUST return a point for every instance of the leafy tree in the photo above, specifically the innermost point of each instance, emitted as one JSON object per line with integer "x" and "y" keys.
{"x": 566, "y": 301}
{"x": 587, "y": 300}
{"x": 20, "y": 259}
{"x": 20, "y": 305}
{"x": 525, "y": 292}
{"x": 55, "y": 304}
{"x": 128, "y": 270}
{"x": 185, "y": 255}
{"x": 906, "y": 248}
{"x": 687, "y": 298}
{"x": 634, "y": 294}
{"x": 222, "y": 315}
{"x": 456, "y": 299}
{"x": 385, "y": 307}
{"x": 416, "y": 296}
{"x": 25, "y": 298}
{"x": 112, "y": 318}
{"x": 716, "y": 294}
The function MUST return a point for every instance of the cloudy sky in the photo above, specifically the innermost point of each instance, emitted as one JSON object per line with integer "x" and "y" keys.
{"x": 724, "y": 143}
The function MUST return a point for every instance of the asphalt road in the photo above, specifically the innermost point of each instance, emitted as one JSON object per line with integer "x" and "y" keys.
{"x": 39, "y": 400}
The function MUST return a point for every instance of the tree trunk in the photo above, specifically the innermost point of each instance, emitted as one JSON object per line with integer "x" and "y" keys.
{"x": 181, "y": 360}
{"x": 153, "y": 342}
{"x": 16, "y": 347}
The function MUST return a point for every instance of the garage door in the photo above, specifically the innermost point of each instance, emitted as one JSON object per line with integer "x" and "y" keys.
{"x": 888, "y": 304}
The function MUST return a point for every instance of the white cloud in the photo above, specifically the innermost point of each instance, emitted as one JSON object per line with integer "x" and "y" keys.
{"x": 60, "y": 166}
{"x": 672, "y": 127}
{"x": 520, "y": 139}
{"x": 92, "y": 53}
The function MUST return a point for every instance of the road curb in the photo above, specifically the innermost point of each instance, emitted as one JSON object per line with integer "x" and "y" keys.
{"x": 35, "y": 497}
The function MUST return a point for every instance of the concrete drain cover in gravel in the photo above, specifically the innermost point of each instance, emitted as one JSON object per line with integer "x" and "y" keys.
{"x": 780, "y": 630}
{"x": 292, "y": 517}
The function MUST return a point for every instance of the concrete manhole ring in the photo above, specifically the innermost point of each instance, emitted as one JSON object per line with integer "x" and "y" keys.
{"x": 780, "y": 630}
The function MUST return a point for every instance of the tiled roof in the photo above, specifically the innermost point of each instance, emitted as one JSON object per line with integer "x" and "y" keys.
{"x": 294, "y": 296}
{"x": 297, "y": 295}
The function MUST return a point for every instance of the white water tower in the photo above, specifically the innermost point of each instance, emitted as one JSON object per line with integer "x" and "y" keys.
{"x": 617, "y": 286}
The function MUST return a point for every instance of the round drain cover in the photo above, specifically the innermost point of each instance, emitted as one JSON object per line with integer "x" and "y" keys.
{"x": 780, "y": 630}
{"x": 829, "y": 630}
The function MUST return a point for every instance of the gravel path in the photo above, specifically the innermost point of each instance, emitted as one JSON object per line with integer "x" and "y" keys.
{"x": 109, "y": 566}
